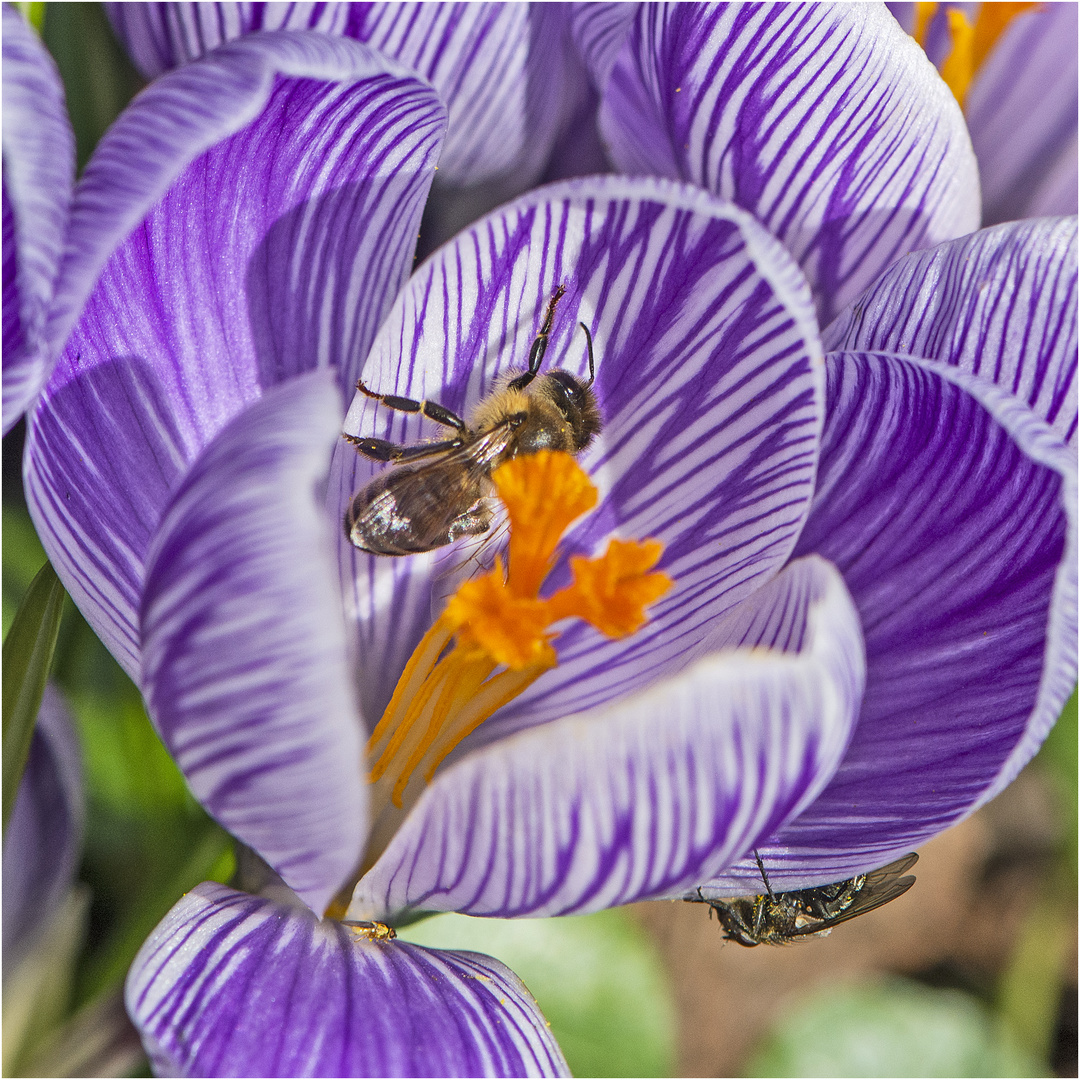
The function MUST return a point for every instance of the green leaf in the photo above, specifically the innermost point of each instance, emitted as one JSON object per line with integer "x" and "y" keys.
{"x": 97, "y": 75}
{"x": 596, "y": 979}
{"x": 23, "y": 558}
{"x": 28, "y": 653}
{"x": 894, "y": 1028}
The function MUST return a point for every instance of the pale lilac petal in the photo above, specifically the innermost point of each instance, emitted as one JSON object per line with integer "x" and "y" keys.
{"x": 232, "y": 985}
{"x": 648, "y": 795}
{"x": 826, "y": 122}
{"x": 159, "y": 37}
{"x": 279, "y": 184}
{"x": 44, "y": 836}
{"x": 1000, "y": 303}
{"x": 245, "y": 667}
{"x": 1055, "y": 192}
{"x": 39, "y": 168}
{"x": 1021, "y": 110}
{"x": 904, "y": 14}
{"x": 487, "y": 62}
{"x": 600, "y": 33}
{"x": 708, "y": 377}
{"x": 950, "y": 510}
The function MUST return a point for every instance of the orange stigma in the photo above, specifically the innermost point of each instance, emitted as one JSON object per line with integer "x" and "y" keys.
{"x": 494, "y": 639}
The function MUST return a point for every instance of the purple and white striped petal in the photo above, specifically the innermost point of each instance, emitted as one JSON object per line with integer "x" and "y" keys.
{"x": 825, "y": 121}
{"x": 245, "y": 666}
{"x": 275, "y": 189}
{"x": 233, "y": 985}
{"x": 708, "y": 375}
{"x": 478, "y": 56}
{"x": 599, "y": 31}
{"x": 1000, "y": 303}
{"x": 1021, "y": 111}
{"x": 44, "y": 836}
{"x": 648, "y": 795}
{"x": 39, "y": 169}
{"x": 950, "y": 510}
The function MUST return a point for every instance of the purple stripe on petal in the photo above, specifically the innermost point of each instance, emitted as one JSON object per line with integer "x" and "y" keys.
{"x": 1021, "y": 111}
{"x": 1000, "y": 303}
{"x": 233, "y": 985}
{"x": 488, "y": 62}
{"x": 245, "y": 666}
{"x": 600, "y": 32}
{"x": 950, "y": 510}
{"x": 824, "y": 121}
{"x": 158, "y": 37}
{"x": 708, "y": 377}
{"x": 284, "y": 178}
{"x": 39, "y": 167}
{"x": 650, "y": 794}
{"x": 44, "y": 836}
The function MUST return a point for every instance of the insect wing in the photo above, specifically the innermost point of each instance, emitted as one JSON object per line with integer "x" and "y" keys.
{"x": 419, "y": 503}
{"x": 881, "y": 887}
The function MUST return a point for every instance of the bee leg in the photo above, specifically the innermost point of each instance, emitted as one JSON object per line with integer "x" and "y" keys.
{"x": 540, "y": 343}
{"x": 381, "y": 450}
{"x": 431, "y": 409}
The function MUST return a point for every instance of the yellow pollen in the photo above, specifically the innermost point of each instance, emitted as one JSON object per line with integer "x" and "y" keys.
{"x": 970, "y": 44}
{"x": 493, "y": 640}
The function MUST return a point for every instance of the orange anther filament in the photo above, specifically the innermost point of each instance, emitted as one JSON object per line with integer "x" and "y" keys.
{"x": 494, "y": 638}
{"x": 969, "y": 44}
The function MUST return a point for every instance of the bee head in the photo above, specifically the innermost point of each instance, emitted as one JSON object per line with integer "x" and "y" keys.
{"x": 577, "y": 403}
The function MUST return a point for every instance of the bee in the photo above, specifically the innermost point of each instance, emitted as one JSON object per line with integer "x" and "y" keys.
{"x": 780, "y": 918}
{"x": 439, "y": 491}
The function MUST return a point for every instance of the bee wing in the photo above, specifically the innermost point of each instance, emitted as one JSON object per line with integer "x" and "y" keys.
{"x": 470, "y": 557}
{"x": 422, "y": 500}
{"x": 881, "y": 887}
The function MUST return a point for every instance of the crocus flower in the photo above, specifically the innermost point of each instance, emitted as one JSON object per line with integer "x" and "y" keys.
{"x": 854, "y": 541}
{"x": 39, "y": 168}
{"x": 497, "y": 67}
{"x": 1013, "y": 68}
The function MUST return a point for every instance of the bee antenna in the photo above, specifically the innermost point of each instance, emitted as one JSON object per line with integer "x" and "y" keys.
{"x": 764, "y": 876}
{"x": 592, "y": 366}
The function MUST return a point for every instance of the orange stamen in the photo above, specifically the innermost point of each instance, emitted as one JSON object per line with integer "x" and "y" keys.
{"x": 500, "y": 627}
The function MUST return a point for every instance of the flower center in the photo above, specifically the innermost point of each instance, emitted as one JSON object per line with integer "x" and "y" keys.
{"x": 494, "y": 639}
{"x": 970, "y": 45}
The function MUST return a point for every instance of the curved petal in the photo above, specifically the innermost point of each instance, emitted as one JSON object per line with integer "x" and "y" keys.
{"x": 482, "y": 58}
{"x": 44, "y": 836}
{"x": 279, "y": 184}
{"x": 825, "y": 121}
{"x": 708, "y": 378}
{"x": 232, "y": 985}
{"x": 645, "y": 796}
{"x": 39, "y": 168}
{"x": 245, "y": 667}
{"x": 1021, "y": 111}
{"x": 950, "y": 510}
{"x": 1000, "y": 303}
{"x": 599, "y": 31}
